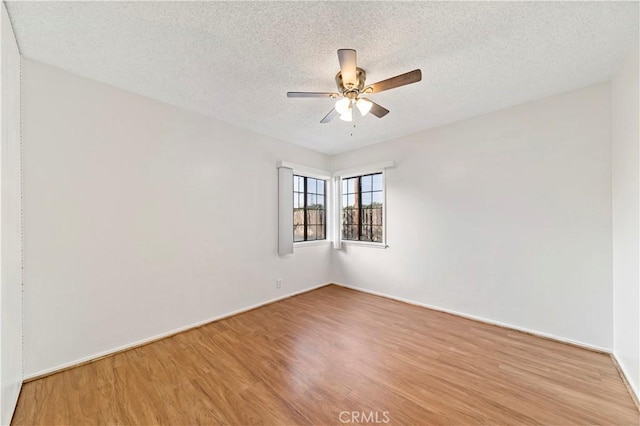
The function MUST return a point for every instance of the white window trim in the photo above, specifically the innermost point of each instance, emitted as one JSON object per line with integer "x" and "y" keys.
{"x": 366, "y": 243}
{"x": 359, "y": 171}
{"x": 364, "y": 170}
{"x": 297, "y": 244}
{"x": 285, "y": 211}
{"x": 306, "y": 171}
{"x": 333, "y": 213}
{"x": 301, "y": 170}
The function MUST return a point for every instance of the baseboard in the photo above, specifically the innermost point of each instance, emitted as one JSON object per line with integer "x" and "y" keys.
{"x": 95, "y": 357}
{"x": 625, "y": 378}
{"x": 484, "y": 320}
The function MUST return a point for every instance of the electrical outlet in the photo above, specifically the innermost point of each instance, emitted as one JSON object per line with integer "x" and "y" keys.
{"x": 278, "y": 283}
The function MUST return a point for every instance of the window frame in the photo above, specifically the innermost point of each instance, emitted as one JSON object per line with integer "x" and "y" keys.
{"x": 333, "y": 205}
{"x": 360, "y": 173}
{"x": 326, "y": 210}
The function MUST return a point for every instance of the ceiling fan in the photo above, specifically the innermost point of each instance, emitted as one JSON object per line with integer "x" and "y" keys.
{"x": 350, "y": 81}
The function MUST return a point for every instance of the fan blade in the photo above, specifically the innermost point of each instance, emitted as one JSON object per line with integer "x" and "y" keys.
{"x": 312, "y": 95}
{"x": 376, "y": 109}
{"x": 332, "y": 114}
{"x": 347, "y": 58}
{"x": 397, "y": 81}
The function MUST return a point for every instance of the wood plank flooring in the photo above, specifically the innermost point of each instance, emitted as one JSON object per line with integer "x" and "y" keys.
{"x": 335, "y": 355}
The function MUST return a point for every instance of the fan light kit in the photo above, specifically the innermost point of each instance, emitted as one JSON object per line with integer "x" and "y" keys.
{"x": 350, "y": 81}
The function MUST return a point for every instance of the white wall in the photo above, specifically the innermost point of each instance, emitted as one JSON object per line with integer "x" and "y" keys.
{"x": 506, "y": 217}
{"x": 626, "y": 219}
{"x": 141, "y": 218}
{"x": 135, "y": 224}
{"x": 10, "y": 228}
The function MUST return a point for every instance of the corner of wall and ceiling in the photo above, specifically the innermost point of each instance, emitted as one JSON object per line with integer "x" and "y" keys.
{"x": 4, "y": 4}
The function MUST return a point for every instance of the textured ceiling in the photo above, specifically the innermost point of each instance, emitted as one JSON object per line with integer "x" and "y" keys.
{"x": 235, "y": 61}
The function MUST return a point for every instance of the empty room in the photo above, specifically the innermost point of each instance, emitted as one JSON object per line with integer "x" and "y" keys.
{"x": 319, "y": 213}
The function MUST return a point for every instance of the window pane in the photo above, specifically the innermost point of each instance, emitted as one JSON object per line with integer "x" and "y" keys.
{"x": 376, "y": 216}
{"x": 366, "y": 183}
{"x": 376, "y": 234}
{"x": 366, "y": 199}
{"x": 352, "y": 232}
{"x": 311, "y": 186}
{"x": 351, "y": 200}
{"x": 362, "y": 208}
{"x": 377, "y": 199}
{"x": 366, "y": 216}
{"x": 311, "y": 232}
{"x": 377, "y": 182}
{"x": 352, "y": 185}
{"x": 311, "y": 200}
{"x": 366, "y": 233}
{"x": 312, "y": 217}
{"x": 349, "y": 232}
{"x": 308, "y": 213}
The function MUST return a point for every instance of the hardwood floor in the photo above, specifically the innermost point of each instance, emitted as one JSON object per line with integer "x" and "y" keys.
{"x": 335, "y": 355}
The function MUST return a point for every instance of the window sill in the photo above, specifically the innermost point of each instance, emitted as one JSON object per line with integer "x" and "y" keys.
{"x": 311, "y": 243}
{"x": 365, "y": 244}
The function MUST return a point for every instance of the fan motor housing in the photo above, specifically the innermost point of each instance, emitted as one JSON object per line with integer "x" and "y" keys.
{"x": 361, "y": 75}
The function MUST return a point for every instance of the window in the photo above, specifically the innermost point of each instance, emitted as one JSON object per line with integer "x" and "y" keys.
{"x": 309, "y": 201}
{"x": 362, "y": 207}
